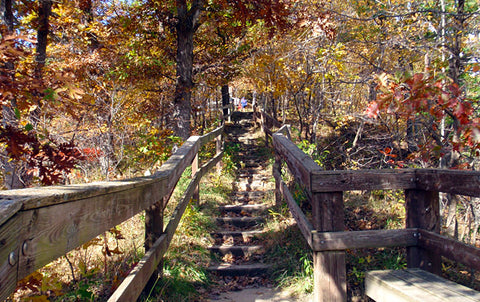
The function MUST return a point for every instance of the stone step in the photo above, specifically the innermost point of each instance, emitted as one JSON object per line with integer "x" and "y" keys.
{"x": 242, "y": 234}
{"x": 235, "y": 237}
{"x": 250, "y": 208}
{"x": 239, "y": 269}
{"x": 249, "y": 186}
{"x": 240, "y": 222}
{"x": 237, "y": 250}
{"x": 250, "y": 194}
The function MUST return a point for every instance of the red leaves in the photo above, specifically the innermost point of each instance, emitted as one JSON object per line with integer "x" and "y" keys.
{"x": 387, "y": 152}
{"x": 47, "y": 160}
{"x": 423, "y": 96}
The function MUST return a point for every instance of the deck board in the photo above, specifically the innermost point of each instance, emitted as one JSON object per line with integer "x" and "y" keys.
{"x": 414, "y": 285}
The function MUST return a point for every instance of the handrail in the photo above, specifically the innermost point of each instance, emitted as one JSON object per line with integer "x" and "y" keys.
{"x": 325, "y": 233}
{"x": 38, "y": 225}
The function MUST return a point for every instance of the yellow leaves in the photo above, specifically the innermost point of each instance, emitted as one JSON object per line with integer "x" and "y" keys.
{"x": 72, "y": 91}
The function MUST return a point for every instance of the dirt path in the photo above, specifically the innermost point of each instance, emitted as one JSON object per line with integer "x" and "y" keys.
{"x": 259, "y": 294}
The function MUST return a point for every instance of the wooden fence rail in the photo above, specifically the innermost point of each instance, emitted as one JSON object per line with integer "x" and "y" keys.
{"x": 38, "y": 225}
{"x": 325, "y": 232}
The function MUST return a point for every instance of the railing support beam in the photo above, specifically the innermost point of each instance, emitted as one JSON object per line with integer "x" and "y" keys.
{"x": 153, "y": 231}
{"x": 196, "y": 192}
{"x": 423, "y": 212}
{"x": 330, "y": 282}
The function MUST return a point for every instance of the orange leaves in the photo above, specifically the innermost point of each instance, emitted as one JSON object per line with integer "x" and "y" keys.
{"x": 429, "y": 100}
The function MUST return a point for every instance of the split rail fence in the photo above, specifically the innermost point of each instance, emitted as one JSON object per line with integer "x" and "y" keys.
{"x": 325, "y": 232}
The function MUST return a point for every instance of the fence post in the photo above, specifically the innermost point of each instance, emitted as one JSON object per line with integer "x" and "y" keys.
{"x": 330, "y": 282}
{"x": 218, "y": 149}
{"x": 423, "y": 211}
{"x": 277, "y": 173}
{"x": 196, "y": 193}
{"x": 264, "y": 127}
{"x": 153, "y": 230}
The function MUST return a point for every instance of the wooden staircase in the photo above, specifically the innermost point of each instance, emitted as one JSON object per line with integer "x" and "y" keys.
{"x": 238, "y": 248}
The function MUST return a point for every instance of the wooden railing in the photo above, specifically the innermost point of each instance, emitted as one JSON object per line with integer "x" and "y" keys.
{"x": 38, "y": 225}
{"x": 325, "y": 231}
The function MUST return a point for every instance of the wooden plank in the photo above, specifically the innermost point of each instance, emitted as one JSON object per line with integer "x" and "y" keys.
{"x": 33, "y": 198}
{"x": 10, "y": 247}
{"x": 210, "y": 136}
{"x": 423, "y": 212}
{"x": 450, "y": 248}
{"x": 55, "y": 230}
{"x": 303, "y": 224}
{"x": 270, "y": 119}
{"x": 384, "y": 179}
{"x": 299, "y": 163}
{"x": 386, "y": 286}
{"x": 178, "y": 162}
{"x": 415, "y": 285}
{"x": 449, "y": 181}
{"x": 8, "y": 208}
{"x": 338, "y": 241}
{"x": 451, "y": 291}
{"x": 132, "y": 286}
{"x": 285, "y": 130}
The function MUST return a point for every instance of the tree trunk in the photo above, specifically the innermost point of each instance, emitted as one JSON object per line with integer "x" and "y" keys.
{"x": 225, "y": 98}
{"x": 6, "y": 14}
{"x": 186, "y": 27}
{"x": 44, "y": 12}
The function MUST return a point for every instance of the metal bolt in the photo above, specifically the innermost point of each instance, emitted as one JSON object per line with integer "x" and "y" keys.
{"x": 25, "y": 248}
{"x": 12, "y": 258}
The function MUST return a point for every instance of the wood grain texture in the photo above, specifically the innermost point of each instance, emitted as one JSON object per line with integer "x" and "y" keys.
{"x": 415, "y": 285}
{"x": 338, "y": 241}
{"x": 330, "y": 283}
{"x": 303, "y": 224}
{"x": 55, "y": 230}
{"x": 385, "y": 179}
{"x": 300, "y": 164}
{"x": 450, "y": 248}
{"x": 329, "y": 267}
{"x": 9, "y": 243}
{"x": 32, "y": 198}
{"x": 423, "y": 212}
{"x": 449, "y": 181}
{"x": 210, "y": 136}
{"x": 132, "y": 286}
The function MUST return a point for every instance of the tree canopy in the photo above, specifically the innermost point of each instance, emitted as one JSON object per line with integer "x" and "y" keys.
{"x": 117, "y": 84}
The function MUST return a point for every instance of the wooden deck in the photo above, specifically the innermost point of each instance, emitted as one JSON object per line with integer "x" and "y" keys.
{"x": 415, "y": 285}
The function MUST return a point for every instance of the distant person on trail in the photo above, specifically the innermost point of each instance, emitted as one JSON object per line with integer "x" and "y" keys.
{"x": 243, "y": 102}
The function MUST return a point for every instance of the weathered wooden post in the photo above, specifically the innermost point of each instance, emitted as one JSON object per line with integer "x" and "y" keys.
{"x": 330, "y": 282}
{"x": 196, "y": 193}
{"x": 423, "y": 211}
{"x": 218, "y": 149}
{"x": 277, "y": 173}
{"x": 264, "y": 127}
{"x": 153, "y": 231}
